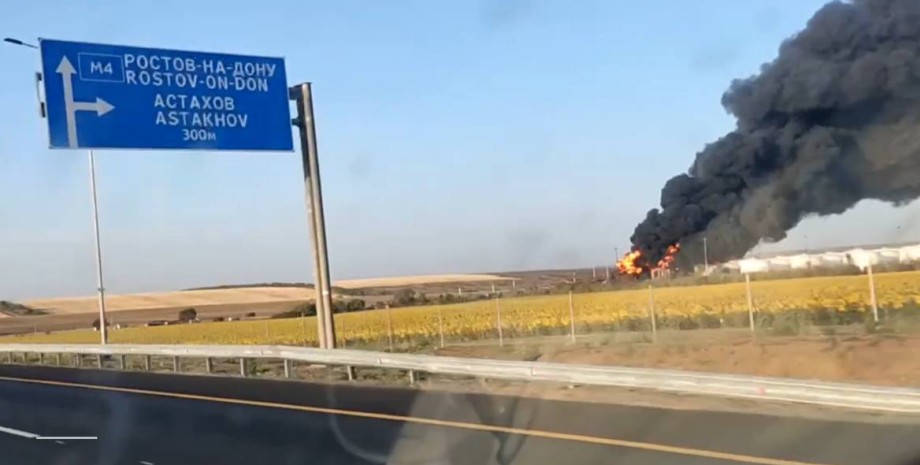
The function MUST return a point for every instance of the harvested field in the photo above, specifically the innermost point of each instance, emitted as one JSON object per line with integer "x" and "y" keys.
{"x": 236, "y": 295}
{"x": 418, "y": 280}
{"x": 115, "y": 303}
{"x": 81, "y": 321}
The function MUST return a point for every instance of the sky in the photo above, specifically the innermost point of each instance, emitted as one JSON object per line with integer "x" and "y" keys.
{"x": 454, "y": 136}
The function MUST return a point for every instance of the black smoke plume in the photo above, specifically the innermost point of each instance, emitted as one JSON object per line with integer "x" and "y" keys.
{"x": 833, "y": 120}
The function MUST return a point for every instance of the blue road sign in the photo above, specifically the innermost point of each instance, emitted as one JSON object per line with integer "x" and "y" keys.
{"x": 116, "y": 97}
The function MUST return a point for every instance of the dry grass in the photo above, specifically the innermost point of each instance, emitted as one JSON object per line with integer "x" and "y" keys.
{"x": 417, "y": 280}
{"x": 114, "y": 303}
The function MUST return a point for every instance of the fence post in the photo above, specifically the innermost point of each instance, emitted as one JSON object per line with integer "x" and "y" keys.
{"x": 441, "y": 326}
{"x": 390, "y": 328}
{"x": 651, "y": 313}
{"x": 872, "y": 298}
{"x": 498, "y": 315}
{"x": 572, "y": 314}
{"x": 750, "y": 300}
{"x": 303, "y": 323}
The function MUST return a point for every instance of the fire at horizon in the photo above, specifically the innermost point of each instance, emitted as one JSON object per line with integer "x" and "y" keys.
{"x": 631, "y": 263}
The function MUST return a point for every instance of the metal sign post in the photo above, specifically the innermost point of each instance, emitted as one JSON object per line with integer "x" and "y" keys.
{"x": 100, "y": 286}
{"x": 303, "y": 95}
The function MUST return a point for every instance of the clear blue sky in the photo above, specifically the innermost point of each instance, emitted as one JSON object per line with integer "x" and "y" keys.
{"x": 455, "y": 136}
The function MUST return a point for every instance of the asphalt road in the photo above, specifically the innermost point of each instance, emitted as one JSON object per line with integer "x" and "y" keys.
{"x": 143, "y": 419}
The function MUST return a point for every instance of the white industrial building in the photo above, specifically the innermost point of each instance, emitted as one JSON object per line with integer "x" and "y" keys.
{"x": 860, "y": 257}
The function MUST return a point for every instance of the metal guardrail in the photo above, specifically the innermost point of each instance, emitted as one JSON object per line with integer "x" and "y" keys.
{"x": 891, "y": 399}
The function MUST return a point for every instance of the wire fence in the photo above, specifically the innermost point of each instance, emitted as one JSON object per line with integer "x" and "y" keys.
{"x": 885, "y": 302}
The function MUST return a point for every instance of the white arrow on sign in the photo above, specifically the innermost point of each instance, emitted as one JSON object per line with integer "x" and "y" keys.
{"x": 101, "y": 107}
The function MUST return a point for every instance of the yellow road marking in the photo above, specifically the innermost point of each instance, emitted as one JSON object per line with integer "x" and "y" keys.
{"x": 435, "y": 422}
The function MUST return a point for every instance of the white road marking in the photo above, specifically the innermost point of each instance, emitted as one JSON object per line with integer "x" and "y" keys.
{"x": 59, "y": 442}
{"x": 57, "y": 439}
{"x": 16, "y": 432}
{"x": 144, "y": 462}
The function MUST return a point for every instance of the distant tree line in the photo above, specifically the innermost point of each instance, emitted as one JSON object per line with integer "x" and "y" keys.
{"x": 411, "y": 297}
{"x": 309, "y": 308}
{"x": 14, "y": 309}
{"x": 244, "y": 286}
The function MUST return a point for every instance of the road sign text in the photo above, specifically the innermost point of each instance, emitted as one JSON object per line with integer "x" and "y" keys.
{"x": 150, "y": 98}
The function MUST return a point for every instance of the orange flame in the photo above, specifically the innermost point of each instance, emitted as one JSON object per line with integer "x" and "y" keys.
{"x": 627, "y": 265}
{"x": 668, "y": 258}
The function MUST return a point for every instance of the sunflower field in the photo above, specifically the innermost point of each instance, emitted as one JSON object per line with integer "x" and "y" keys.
{"x": 831, "y": 300}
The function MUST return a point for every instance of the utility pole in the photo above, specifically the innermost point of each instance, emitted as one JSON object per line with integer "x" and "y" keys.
{"x": 303, "y": 95}
{"x": 100, "y": 285}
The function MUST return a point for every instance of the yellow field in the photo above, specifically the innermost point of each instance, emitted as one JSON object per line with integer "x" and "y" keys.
{"x": 532, "y": 315}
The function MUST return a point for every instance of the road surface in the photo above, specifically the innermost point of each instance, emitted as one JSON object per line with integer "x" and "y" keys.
{"x": 144, "y": 419}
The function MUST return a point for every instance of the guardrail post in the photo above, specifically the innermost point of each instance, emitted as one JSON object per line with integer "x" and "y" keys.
{"x": 99, "y": 361}
{"x": 207, "y": 365}
{"x": 79, "y": 361}
{"x": 287, "y": 368}
{"x": 147, "y": 363}
{"x": 9, "y": 358}
{"x": 412, "y": 378}
{"x": 57, "y": 359}
{"x": 122, "y": 363}
{"x": 242, "y": 367}
{"x": 41, "y": 358}
{"x": 351, "y": 372}
{"x": 176, "y": 363}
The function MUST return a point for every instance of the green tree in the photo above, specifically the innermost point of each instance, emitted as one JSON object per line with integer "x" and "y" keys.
{"x": 404, "y": 297}
{"x": 188, "y": 315}
{"x": 355, "y": 305}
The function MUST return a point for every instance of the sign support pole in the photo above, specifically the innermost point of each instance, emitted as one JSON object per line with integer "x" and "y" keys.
{"x": 303, "y": 95}
{"x": 100, "y": 286}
